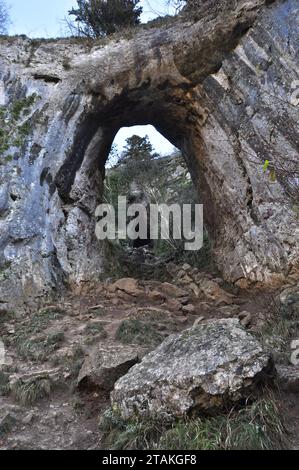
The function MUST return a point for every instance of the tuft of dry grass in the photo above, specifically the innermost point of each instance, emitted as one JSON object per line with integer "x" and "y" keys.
{"x": 258, "y": 426}
{"x": 32, "y": 390}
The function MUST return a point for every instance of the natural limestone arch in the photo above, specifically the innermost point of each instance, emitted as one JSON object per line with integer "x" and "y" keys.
{"x": 205, "y": 84}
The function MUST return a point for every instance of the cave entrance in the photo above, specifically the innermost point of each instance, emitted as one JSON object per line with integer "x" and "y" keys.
{"x": 172, "y": 110}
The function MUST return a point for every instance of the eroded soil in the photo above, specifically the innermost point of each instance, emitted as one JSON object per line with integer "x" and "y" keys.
{"x": 45, "y": 349}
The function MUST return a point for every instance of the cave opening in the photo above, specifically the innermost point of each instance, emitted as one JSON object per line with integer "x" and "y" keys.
{"x": 146, "y": 169}
{"x": 82, "y": 180}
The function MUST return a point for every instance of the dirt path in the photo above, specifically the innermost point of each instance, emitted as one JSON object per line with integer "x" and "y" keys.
{"x": 41, "y": 406}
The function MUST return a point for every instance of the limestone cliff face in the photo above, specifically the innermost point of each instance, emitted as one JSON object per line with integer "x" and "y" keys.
{"x": 218, "y": 86}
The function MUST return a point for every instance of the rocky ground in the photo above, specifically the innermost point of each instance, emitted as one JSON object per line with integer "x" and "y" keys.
{"x": 63, "y": 360}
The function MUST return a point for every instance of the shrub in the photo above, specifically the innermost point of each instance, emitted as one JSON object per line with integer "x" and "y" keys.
{"x": 100, "y": 18}
{"x": 32, "y": 390}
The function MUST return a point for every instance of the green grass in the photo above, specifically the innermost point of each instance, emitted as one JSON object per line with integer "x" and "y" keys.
{"x": 281, "y": 329}
{"x": 121, "y": 435}
{"x": 38, "y": 321}
{"x": 99, "y": 312}
{"x": 32, "y": 390}
{"x": 6, "y": 316}
{"x": 96, "y": 328}
{"x": 13, "y": 132}
{"x": 4, "y": 383}
{"x": 256, "y": 427}
{"x": 96, "y": 332}
{"x": 6, "y": 424}
{"x": 73, "y": 360}
{"x": 4, "y": 273}
{"x": 175, "y": 249}
{"x": 29, "y": 339}
{"x": 78, "y": 404}
{"x": 40, "y": 348}
{"x": 134, "y": 331}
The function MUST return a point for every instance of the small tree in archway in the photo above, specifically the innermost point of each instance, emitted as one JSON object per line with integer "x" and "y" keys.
{"x": 99, "y": 18}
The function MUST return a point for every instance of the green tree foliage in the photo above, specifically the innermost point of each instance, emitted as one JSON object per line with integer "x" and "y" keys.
{"x": 14, "y": 126}
{"x": 99, "y": 18}
{"x": 138, "y": 149}
{"x": 4, "y": 18}
{"x": 139, "y": 161}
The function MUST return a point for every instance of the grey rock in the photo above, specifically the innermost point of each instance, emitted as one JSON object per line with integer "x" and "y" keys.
{"x": 7, "y": 422}
{"x": 200, "y": 370}
{"x": 245, "y": 318}
{"x": 105, "y": 365}
{"x": 3, "y": 199}
{"x": 29, "y": 418}
{"x": 289, "y": 301}
{"x": 288, "y": 378}
{"x": 189, "y": 309}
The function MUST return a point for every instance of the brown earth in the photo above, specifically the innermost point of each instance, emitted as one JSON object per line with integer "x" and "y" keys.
{"x": 51, "y": 344}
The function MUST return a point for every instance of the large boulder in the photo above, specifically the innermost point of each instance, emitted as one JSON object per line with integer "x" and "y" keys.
{"x": 203, "y": 369}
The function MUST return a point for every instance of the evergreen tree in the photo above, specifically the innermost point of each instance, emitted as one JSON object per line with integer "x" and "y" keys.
{"x": 138, "y": 148}
{"x": 139, "y": 161}
{"x": 99, "y": 18}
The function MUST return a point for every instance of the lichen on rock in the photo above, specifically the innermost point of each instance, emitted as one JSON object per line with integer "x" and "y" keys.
{"x": 201, "y": 370}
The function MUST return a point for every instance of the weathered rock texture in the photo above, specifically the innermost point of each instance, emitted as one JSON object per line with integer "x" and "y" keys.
{"x": 104, "y": 366}
{"x": 218, "y": 86}
{"x": 288, "y": 378}
{"x": 200, "y": 370}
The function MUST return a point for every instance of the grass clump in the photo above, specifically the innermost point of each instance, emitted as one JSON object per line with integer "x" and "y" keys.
{"x": 99, "y": 312}
{"x": 279, "y": 331}
{"x": 258, "y": 426}
{"x": 29, "y": 340}
{"x": 38, "y": 349}
{"x": 32, "y": 390}
{"x": 96, "y": 328}
{"x": 96, "y": 332}
{"x": 134, "y": 331}
{"x": 38, "y": 322}
{"x": 72, "y": 361}
{"x": 7, "y": 423}
{"x": 135, "y": 434}
{"x": 4, "y": 384}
